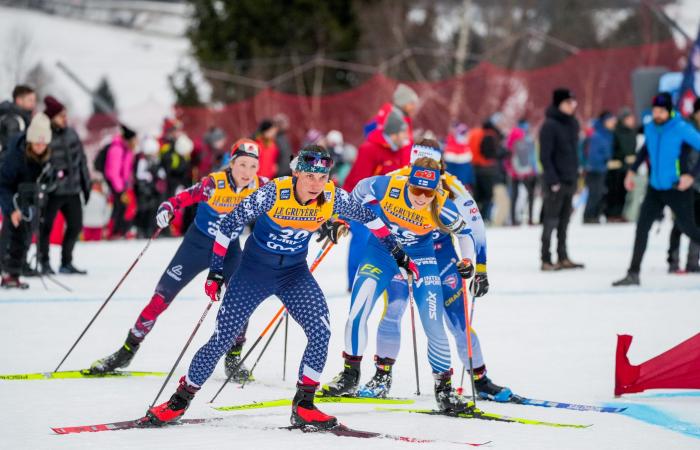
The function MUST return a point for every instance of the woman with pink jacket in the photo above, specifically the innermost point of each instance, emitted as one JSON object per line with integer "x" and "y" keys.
{"x": 118, "y": 171}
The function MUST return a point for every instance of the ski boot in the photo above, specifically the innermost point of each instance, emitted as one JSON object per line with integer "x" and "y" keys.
{"x": 487, "y": 390}
{"x": 119, "y": 359}
{"x": 345, "y": 383}
{"x": 380, "y": 384}
{"x": 174, "y": 408}
{"x": 304, "y": 412}
{"x": 235, "y": 371}
{"x": 448, "y": 400}
{"x": 13, "y": 282}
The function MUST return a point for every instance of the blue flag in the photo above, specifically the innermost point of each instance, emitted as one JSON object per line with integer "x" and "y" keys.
{"x": 690, "y": 87}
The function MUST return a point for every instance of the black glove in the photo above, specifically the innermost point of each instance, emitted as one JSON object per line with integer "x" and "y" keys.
{"x": 212, "y": 287}
{"x": 465, "y": 268}
{"x": 404, "y": 262}
{"x": 480, "y": 284}
{"x": 332, "y": 229}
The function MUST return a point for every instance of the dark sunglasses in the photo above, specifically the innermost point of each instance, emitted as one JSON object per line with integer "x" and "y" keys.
{"x": 418, "y": 191}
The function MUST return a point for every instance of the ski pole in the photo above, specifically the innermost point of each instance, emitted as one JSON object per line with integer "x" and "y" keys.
{"x": 321, "y": 255}
{"x": 148, "y": 244}
{"x": 177, "y": 361}
{"x": 413, "y": 331}
{"x": 468, "y": 331}
{"x": 284, "y": 357}
{"x": 262, "y": 352}
{"x": 471, "y": 321}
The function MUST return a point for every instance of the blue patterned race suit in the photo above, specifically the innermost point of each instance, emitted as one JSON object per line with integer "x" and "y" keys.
{"x": 274, "y": 263}
{"x": 387, "y": 196}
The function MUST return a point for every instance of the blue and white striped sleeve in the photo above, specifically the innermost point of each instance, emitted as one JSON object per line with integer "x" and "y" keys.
{"x": 349, "y": 206}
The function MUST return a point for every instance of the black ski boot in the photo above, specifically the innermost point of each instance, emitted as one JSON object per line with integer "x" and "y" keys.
{"x": 380, "y": 384}
{"x": 631, "y": 279}
{"x": 235, "y": 371}
{"x": 487, "y": 390}
{"x": 119, "y": 359}
{"x": 448, "y": 400}
{"x": 345, "y": 383}
{"x": 174, "y": 408}
{"x": 304, "y": 412}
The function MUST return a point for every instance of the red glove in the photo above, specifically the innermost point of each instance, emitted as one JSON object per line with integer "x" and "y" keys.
{"x": 212, "y": 287}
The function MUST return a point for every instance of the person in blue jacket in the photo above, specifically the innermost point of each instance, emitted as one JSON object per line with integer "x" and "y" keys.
{"x": 288, "y": 211}
{"x": 599, "y": 153}
{"x": 668, "y": 186}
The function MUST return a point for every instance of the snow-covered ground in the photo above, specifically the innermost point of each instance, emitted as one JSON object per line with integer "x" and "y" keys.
{"x": 546, "y": 335}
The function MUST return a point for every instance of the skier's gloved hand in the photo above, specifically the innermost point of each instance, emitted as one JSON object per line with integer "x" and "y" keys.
{"x": 480, "y": 284}
{"x": 212, "y": 287}
{"x": 465, "y": 268}
{"x": 332, "y": 230}
{"x": 165, "y": 214}
{"x": 404, "y": 262}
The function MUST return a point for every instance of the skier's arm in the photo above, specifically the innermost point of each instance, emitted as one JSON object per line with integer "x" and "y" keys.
{"x": 253, "y": 206}
{"x": 199, "y": 192}
{"x": 347, "y": 206}
{"x": 368, "y": 192}
{"x": 475, "y": 223}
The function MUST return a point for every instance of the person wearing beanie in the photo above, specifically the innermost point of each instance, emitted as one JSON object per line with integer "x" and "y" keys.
{"x": 559, "y": 158}
{"x": 623, "y": 155}
{"x": 406, "y": 99}
{"x": 69, "y": 162}
{"x": 118, "y": 171}
{"x": 25, "y": 164}
{"x": 215, "y": 195}
{"x": 689, "y": 159}
{"x": 668, "y": 137}
{"x": 269, "y": 153}
{"x": 598, "y": 153}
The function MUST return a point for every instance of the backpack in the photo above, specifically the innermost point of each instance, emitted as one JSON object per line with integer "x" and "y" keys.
{"x": 101, "y": 159}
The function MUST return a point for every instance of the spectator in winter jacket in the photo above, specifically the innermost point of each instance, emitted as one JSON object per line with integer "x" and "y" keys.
{"x": 24, "y": 175}
{"x": 14, "y": 120}
{"x": 624, "y": 152}
{"x": 149, "y": 186}
{"x": 343, "y": 155}
{"x": 665, "y": 137}
{"x": 208, "y": 153}
{"x": 559, "y": 159}
{"x": 405, "y": 104}
{"x": 487, "y": 149}
{"x": 284, "y": 146}
{"x": 69, "y": 162}
{"x": 382, "y": 152}
{"x": 118, "y": 172}
{"x": 599, "y": 153}
{"x": 16, "y": 115}
{"x": 521, "y": 167}
{"x": 688, "y": 160}
{"x": 97, "y": 212}
{"x": 458, "y": 154}
{"x": 269, "y": 153}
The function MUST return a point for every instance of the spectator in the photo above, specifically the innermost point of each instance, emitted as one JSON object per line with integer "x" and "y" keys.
{"x": 664, "y": 136}
{"x": 458, "y": 154}
{"x": 175, "y": 161}
{"x": 208, "y": 153}
{"x": 688, "y": 160}
{"x": 284, "y": 146}
{"x": 486, "y": 144}
{"x": 405, "y": 105}
{"x": 16, "y": 115}
{"x": 118, "y": 172}
{"x": 521, "y": 167}
{"x": 624, "y": 150}
{"x": 97, "y": 212}
{"x": 599, "y": 153}
{"x": 149, "y": 187}
{"x": 23, "y": 166}
{"x": 69, "y": 162}
{"x": 14, "y": 120}
{"x": 269, "y": 154}
{"x": 559, "y": 159}
{"x": 343, "y": 155}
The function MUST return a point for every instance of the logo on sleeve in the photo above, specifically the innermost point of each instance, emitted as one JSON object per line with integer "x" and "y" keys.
{"x": 285, "y": 194}
{"x": 327, "y": 195}
{"x": 221, "y": 184}
{"x": 395, "y": 193}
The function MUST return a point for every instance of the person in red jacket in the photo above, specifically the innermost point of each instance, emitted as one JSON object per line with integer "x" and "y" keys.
{"x": 382, "y": 152}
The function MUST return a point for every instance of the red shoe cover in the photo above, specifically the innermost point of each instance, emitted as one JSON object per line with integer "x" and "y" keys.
{"x": 312, "y": 416}
{"x": 163, "y": 414}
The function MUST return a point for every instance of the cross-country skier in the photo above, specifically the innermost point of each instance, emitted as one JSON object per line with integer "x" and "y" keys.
{"x": 217, "y": 194}
{"x": 452, "y": 269}
{"x": 413, "y": 207}
{"x": 288, "y": 210}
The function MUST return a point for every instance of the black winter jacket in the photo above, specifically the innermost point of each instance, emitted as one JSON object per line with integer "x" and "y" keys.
{"x": 69, "y": 162}
{"x": 13, "y": 121}
{"x": 18, "y": 168}
{"x": 559, "y": 147}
